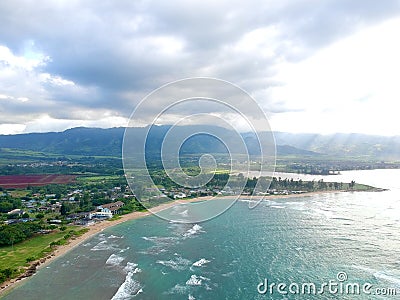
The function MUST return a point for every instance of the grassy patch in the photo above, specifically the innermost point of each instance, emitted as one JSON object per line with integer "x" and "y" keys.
{"x": 363, "y": 187}
{"x": 31, "y": 249}
{"x": 19, "y": 193}
{"x": 88, "y": 179}
{"x": 35, "y": 248}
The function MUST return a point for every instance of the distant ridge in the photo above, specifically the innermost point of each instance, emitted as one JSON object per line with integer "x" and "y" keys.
{"x": 108, "y": 142}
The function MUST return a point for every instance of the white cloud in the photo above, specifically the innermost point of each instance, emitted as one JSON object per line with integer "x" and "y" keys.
{"x": 29, "y": 61}
{"x": 303, "y": 61}
{"x": 12, "y": 128}
{"x": 44, "y": 122}
{"x": 348, "y": 87}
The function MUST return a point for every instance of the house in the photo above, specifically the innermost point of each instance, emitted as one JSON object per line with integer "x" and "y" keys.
{"x": 55, "y": 221}
{"x": 16, "y": 211}
{"x": 101, "y": 215}
{"x": 114, "y": 207}
{"x": 12, "y": 221}
{"x": 107, "y": 210}
{"x": 180, "y": 196}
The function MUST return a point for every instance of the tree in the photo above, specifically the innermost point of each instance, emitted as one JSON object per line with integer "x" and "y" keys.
{"x": 63, "y": 209}
{"x": 352, "y": 184}
{"x": 39, "y": 216}
{"x": 5, "y": 206}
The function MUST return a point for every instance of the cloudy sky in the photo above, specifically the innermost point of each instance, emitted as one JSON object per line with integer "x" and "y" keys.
{"x": 313, "y": 66}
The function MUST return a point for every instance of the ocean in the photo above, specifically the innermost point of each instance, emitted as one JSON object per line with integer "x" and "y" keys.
{"x": 351, "y": 239}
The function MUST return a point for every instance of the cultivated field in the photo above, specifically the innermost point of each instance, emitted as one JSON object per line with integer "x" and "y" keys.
{"x": 23, "y": 181}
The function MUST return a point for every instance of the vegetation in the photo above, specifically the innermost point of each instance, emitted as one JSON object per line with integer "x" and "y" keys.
{"x": 326, "y": 165}
{"x": 13, "y": 234}
{"x": 15, "y": 257}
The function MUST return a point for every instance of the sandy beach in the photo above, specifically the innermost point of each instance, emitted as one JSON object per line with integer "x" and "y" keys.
{"x": 100, "y": 226}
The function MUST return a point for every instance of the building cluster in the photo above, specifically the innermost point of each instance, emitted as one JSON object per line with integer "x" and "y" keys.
{"x": 50, "y": 206}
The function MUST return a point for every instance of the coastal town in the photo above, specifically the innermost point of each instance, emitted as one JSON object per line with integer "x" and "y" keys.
{"x": 92, "y": 199}
{"x": 55, "y": 211}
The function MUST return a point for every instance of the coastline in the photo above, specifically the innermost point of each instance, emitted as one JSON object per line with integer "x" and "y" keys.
{"x": 61, "y": 250}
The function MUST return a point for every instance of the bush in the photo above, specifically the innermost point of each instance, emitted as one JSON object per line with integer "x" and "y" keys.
{"x": 7, "y": 273}
{"x": 40, "y": 216}
{"x": 30, "y": 258}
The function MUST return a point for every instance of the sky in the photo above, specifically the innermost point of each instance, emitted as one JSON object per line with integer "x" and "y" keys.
{"x": 313, "y": 66}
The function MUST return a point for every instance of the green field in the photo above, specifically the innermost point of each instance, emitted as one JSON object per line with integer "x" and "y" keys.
{"x": 18, "y": 255}
{"x": 100, "y": 178}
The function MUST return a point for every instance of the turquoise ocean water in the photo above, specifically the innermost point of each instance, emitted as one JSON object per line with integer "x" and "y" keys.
{"x": 294, "y": 240}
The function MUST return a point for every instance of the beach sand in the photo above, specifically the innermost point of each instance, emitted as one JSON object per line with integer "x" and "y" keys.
{"x": 100, "y": 226}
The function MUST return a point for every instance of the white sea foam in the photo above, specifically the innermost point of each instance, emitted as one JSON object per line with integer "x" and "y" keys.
{"x": 177, "y": 264}
{"x": 132, "y": 267}
{"x": 200, "y": 262}
{"x": 153, "y": 250}
{"x": 159, "y": 239}
{"x": 115, "y": 237}
{"x": 101, "y": 246}
{"x": 191, "y": 297}
{"x": 248, "y": 201}
{"x": 161, "y": 243}
{"x": 114, "y": 260}
{"x": 277, "y": 206}
{"x": 123, "y": 250}
{"x": 192, "y": 231}
{"x": 128, "y": 289}
{"x": 204, "y": 278}
{"x": 194, "y": 280}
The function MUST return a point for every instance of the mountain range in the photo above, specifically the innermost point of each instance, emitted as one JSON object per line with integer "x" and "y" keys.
{"x": 108, "y": 142}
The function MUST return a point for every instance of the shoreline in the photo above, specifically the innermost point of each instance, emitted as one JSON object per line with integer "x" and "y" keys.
{"x": 61, "y": 250}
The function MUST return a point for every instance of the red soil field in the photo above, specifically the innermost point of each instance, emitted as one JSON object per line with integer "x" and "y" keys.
{"x": 23, "y": 181}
